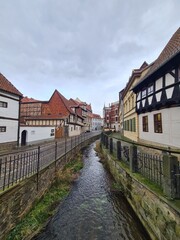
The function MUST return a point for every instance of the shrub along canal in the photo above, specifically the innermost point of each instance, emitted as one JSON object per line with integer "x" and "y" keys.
{"x": 92, "y": 211}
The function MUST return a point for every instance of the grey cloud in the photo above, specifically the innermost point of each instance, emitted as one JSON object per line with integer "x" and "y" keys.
{"x": 81, "y": 43}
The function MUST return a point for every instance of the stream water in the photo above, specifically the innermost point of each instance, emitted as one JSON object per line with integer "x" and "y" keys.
{"x": 92, "y": 211}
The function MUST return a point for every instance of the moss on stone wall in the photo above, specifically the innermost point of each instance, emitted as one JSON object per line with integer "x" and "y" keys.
{"x": 160, "y": 218}
{"x": 46, "y": 207}
{"x": 17, "y": 201}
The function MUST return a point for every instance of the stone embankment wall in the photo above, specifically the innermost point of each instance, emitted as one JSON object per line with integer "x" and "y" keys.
{"x": 17, "y": 201}
{"x": 161, "y": 220}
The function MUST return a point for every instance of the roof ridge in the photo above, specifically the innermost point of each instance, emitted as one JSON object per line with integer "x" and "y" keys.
{"x": 65, "y": 101}
{"x": 7, "y": 86}
{"x": 170, "y": 49}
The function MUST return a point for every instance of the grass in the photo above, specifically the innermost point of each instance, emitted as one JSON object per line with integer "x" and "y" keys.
{"x": 36, "y": 219}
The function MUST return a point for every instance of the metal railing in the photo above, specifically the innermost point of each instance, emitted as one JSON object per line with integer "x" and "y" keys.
{"x": 16, "y": 166}
{"x": 150, "y": 166}
{"x": 155, "y": 164}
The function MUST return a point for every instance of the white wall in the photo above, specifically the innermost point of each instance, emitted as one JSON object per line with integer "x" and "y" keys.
{"x": 170, "y": 135}
{"x": 74, "y": 131}
{"x": 35, "y": 134}
{"x": 11, "y": 131}
{"x": 12, "y": 110}
{"x": 97, "y": 124}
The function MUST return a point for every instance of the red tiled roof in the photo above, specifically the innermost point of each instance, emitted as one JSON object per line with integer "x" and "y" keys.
{"x": 136, "y": 73}
{"x": 73, "y": 103}
{"x": 7, "y": 86}
{"x": 29, "y": 100}
{"x": 170, "y": 50}
{"x": 66, "y": 102}
{"x": 96, "y": 116}
{"x": 57, "y": 104}
{"x": 88, "y": 107}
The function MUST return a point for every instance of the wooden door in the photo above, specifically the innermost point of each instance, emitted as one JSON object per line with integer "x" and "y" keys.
{"x": 59, "y": 132}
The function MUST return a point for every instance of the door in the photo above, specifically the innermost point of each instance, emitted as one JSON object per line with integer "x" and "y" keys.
{"x": 23, "y": 137}
{"x": 59, "y": 132}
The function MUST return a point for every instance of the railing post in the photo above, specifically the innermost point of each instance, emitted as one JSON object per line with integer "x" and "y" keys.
{"x": 119, "y": 150}
{"x": 107, "y": 142}
{"x": 102, "y": 138}
{"x": 171, "y": 185}
{"x": 38, "y": 166}
{"x": 65, "y": 147}
{"x": 74, "y": 141}
{"x": 133, "y": 158}
{"x": 5, "y": 170}
{"x": 71, "y": 143}
{"x": 55, "y": 154}
{"x": 111, "y": 146}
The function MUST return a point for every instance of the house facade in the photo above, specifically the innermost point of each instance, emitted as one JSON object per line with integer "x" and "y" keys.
{"x": 55, "y": 113}
{"x": 128, "y": 100}
{"x": 111, "y": 116}
{"x": 121, "y": 112}
{"x": 97, "y": 122}
{"x": 115, "y": 116}
{"x": 158, "y": 98}
{"x": 107, "y": 117}
{"x": 9, "y": 113}
{"x": 84, "y": 110}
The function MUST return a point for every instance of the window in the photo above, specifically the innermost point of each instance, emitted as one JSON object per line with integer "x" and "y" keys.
{"x": 3, "y": 104}
{"x": 2, "y": 129}
{"x": 157, "y": 123}
{"x": 144, "y": 93}
{"x": 134, "y": 125}
{"x": 145, "y": 123}
{"x": 132, "y": 101}
{"x": 150, "y": 89}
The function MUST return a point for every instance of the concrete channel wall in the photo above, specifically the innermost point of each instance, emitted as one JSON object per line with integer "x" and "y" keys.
{"x": 159, "y": 217}
{"x": 17, "y": 201}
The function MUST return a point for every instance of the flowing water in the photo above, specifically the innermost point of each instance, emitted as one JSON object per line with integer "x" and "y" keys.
{"x": 92, "y": 211}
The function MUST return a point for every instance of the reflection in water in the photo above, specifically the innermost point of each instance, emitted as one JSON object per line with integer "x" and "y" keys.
{"x": 92, "y": 211}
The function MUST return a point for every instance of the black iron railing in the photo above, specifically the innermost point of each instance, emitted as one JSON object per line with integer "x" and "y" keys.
{"x": 160, "y": 166}
{"x": 16, "y": 166}
{"x": 150, "y": 166}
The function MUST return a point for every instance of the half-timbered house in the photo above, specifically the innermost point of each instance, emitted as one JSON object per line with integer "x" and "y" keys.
{"x": 56, "y": 112}
{"x": 9, "y": 113}
{"x": 158, "y": 98}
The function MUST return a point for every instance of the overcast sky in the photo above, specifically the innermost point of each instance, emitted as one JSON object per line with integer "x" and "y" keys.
{"x": 82, "y": 48}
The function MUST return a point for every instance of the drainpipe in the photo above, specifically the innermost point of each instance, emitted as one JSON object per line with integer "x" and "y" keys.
{"x": 18, "y": 131}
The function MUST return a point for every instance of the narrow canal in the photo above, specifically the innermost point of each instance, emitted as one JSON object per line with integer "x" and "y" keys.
{"x": 92, "y": 211}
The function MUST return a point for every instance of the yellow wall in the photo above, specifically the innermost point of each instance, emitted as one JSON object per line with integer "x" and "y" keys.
{"x": 129, "y": 105}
